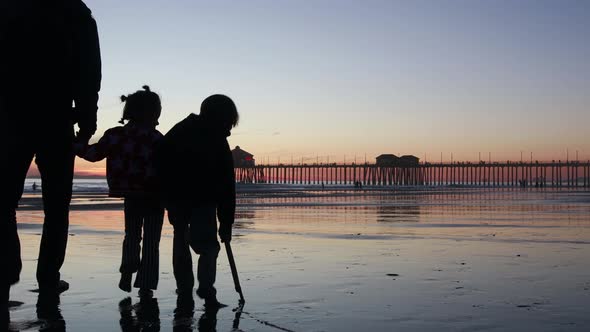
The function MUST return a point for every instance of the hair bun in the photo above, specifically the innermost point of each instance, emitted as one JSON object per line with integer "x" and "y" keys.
{"x": 146, "y": 88}
{"x": 124, "y": 98}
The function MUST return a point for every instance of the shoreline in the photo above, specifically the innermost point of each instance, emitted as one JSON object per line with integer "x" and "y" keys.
{"x": 100, "y": 200}
{"x": 444, "y": 260}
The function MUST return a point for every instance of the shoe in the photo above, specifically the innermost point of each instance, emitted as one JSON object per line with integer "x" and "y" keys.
{"x": 61, "y": 287}
{"x": 143, "y": 292}
{"x": 125, "y": 282}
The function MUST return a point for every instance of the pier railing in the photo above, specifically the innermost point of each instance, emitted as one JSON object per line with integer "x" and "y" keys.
{"x": 508, "y": 174}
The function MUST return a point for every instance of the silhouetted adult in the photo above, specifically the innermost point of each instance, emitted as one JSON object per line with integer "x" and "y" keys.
{"x": 50, "y": 61}
{"x": 195, "y": 166}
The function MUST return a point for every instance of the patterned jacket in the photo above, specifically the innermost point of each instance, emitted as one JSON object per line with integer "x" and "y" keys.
{"x": 129, "y": 151}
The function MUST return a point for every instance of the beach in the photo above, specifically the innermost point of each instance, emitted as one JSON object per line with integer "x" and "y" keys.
{"x": 433, "y": 259}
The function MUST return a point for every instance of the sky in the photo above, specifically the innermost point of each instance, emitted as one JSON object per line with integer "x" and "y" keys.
{"x": 340, "y": 80}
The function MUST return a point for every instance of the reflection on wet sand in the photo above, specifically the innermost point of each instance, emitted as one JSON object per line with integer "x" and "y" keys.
{"x": 49, "y": 317}
{"x": 208, "y": 320}
{"x": 49, "y": 313}
{"x": 445, "y": 261}
{"x": 183, "y": 314}
{"x": 403, "y": 213}
{"x": 147, "y": 314}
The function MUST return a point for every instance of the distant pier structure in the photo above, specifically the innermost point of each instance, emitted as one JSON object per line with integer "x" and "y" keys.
{"x": 390, "y": 170}
{"x": 242, "y": 158}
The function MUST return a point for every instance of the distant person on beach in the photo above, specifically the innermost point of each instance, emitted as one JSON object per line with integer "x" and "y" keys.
{"x": 34, "y": 186}
{"x": 130, "y": 174}
{"x": 195, "y": 167}
{"x": 50, "y": 60}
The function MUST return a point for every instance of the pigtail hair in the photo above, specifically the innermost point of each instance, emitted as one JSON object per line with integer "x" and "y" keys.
{"x": 123, "y": 98}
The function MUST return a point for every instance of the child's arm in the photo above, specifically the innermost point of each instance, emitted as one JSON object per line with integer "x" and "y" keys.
{"x": 226, "y": 207}
{"x": 97, "y": 151}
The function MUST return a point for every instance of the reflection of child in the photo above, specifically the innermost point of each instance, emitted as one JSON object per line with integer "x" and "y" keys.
{"x": 130, "y": 174}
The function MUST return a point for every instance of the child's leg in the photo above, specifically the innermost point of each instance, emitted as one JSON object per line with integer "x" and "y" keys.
{"x": 203, "y": 232}
{"x": 131, "y": 244}
{"x": 149, "y": 268}
{"x": 182, "y": 261}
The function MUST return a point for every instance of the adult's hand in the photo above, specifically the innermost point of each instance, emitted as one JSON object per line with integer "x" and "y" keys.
{"x": 87, "y": 125}
{"x": 225, "y": 232}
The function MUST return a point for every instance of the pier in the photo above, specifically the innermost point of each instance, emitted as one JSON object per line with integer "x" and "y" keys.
{"x": 508, "y": 174}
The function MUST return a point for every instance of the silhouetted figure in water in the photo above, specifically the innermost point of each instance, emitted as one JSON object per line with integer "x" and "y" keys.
{"x": 131, "y": 174}
{"x": 50, "y": 59}
{"x": 34, "y": 186}
{"x": 208, "y": 320}
{"x": 147, "y": 314}
{"x": 195, "y": 167}
{"x": 49, "y": 313}
{"x": 184, "y": 312}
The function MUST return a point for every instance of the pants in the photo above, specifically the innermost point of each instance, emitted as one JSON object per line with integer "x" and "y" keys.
{"x": 149, "y": 215}
{"x": 51, "y": 146}
{"x": 195, "y": 227}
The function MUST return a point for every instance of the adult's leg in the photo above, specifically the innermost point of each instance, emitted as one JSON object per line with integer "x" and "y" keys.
{"x": 149, "y": 268}
{"x": 55, "y": 159}
{"x": 4, "y": 314}
{"x": 203, "y": 232}
{"x": 182, "y": 262}
{"x": 13, "y": 171}
{"x": 18, "y": 154}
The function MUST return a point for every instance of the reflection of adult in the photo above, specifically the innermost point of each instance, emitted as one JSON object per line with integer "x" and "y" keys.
{"x": 49, "y": 313}
{"x": 50, "y": 60}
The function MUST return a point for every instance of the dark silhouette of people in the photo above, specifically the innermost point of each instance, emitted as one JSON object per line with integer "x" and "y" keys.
{"x": 208, "y": 320}
{"x": 131, "y": 174}
{"x": 195, "y": 167}
{"x": 49, "y": 313}
{"x": 147, "y": 314}
{"x": 50, "y": 60}
{"x": 34, "y": 186}
{"x": 184, "y": 313}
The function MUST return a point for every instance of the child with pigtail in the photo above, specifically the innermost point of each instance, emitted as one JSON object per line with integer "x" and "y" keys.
{"x": 130, "y": 174}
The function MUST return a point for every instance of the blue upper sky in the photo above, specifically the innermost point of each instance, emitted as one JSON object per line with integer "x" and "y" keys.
{"x": 344, "y": 78}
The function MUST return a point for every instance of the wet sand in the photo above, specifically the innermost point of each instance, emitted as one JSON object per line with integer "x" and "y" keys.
{"x": 463, "y": 260}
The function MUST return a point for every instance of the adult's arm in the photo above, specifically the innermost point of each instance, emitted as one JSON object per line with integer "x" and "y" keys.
{"x": 88, "y": 71}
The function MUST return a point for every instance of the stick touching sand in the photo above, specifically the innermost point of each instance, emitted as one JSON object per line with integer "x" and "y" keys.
{"x": 234, "y": 271}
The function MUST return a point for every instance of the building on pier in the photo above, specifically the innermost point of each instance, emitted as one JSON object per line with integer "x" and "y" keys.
{"x": 409, "y": 160}
{"x": 395, "y": 161}
{"x": 242, "y": 158}
{"x": 387, "y": 160}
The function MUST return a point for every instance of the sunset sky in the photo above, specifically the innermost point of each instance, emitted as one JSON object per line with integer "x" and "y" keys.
{"x": 339, "y": 79}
